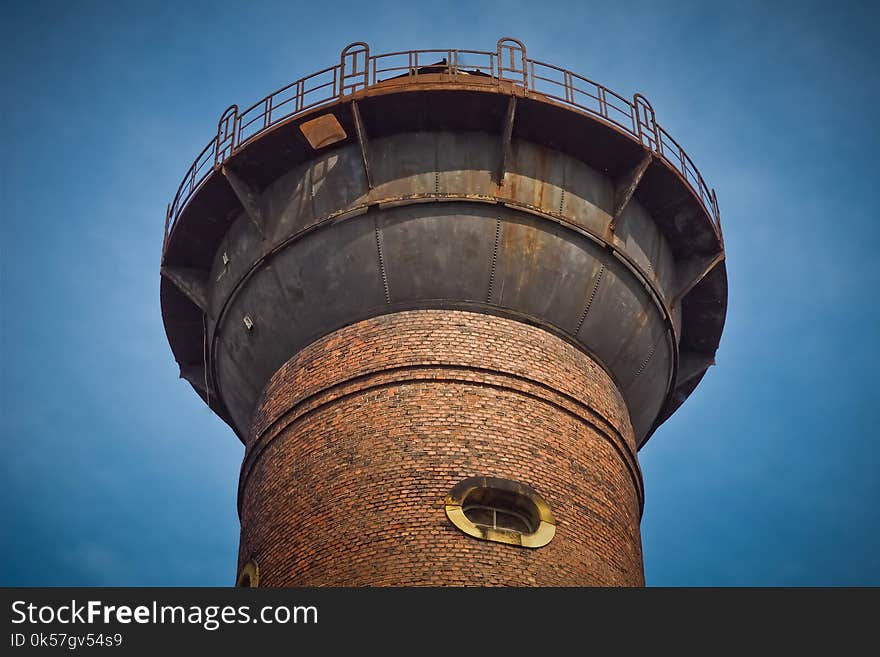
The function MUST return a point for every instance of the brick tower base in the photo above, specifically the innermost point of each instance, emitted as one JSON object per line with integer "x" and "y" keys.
{"x": 358, "y": 440}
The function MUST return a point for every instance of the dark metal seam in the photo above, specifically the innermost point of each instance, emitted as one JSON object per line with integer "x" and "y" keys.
{"x": 590, "y": 300}
{"x": 645, "y": 362}
{"x": 381, "y": 259}
{"x": 494, "y": 260}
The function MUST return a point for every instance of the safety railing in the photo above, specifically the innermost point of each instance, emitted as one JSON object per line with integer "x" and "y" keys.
{"x": 508, "y": 64}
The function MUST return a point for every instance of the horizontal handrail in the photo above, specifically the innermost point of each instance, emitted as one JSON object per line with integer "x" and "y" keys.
{"x": 508, "y": 64}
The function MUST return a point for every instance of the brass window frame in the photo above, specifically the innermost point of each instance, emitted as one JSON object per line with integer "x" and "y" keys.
{"x": 250, "y": 570}
{"x": 455, "y": 503}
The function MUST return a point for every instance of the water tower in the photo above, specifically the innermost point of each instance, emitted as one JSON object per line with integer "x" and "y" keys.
{"x": 443, "y": 297}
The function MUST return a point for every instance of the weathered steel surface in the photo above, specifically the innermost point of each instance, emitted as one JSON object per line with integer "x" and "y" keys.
{"x": 551, "y": 217}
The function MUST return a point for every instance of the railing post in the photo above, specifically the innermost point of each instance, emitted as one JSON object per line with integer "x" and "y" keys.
{"x": 348, "y": 66}
{"x": 227, "y": 127}
{"x": 512, "y": 46}
{"x": 642, "y": 108}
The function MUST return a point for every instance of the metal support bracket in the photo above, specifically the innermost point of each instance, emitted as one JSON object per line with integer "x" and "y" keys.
{"x": 692, "y": 364}
{"x": 247, "y": 196}
{"x": 626, "y": 186}
{"x": 691, "y": 271}
{"x": 506, "y": 135}
{"x": 192, "y": 282}
{"x": 195, "y": 375}
{"x": 362, "y": 141}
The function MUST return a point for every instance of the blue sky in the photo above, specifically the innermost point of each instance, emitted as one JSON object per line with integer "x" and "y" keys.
{"x": 115, "y": 473}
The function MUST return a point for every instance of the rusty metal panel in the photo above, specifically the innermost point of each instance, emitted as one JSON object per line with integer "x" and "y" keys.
{"x": 438, "y": 251}
{"x": 676, "y": 317}
{"x": 536, "y": 177}
{"x": 544, "y": 270}
{"x": 404, "y": 165}
{"x": 338, "y": 181}
{"x": 333, "y": 181}
{"x": 325, "y": 280}
{"x": 588, "y": 197}
{"x": 235, "y": 256}
{"x": 638, "y": 235}
{"x": 623, "y": 342}
{"x": 289, "y": 203}
{"x": 644, "y": 405}
{"x": 465, "y": 161}
{"x": 323, "y": 131}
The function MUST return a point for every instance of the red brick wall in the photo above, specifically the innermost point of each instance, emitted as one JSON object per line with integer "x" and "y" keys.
{"x": 358, "y": 439}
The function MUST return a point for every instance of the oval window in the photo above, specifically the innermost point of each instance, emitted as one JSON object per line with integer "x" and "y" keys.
{"x": 500, "y": 510}
{"x": 249, "y": 577}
